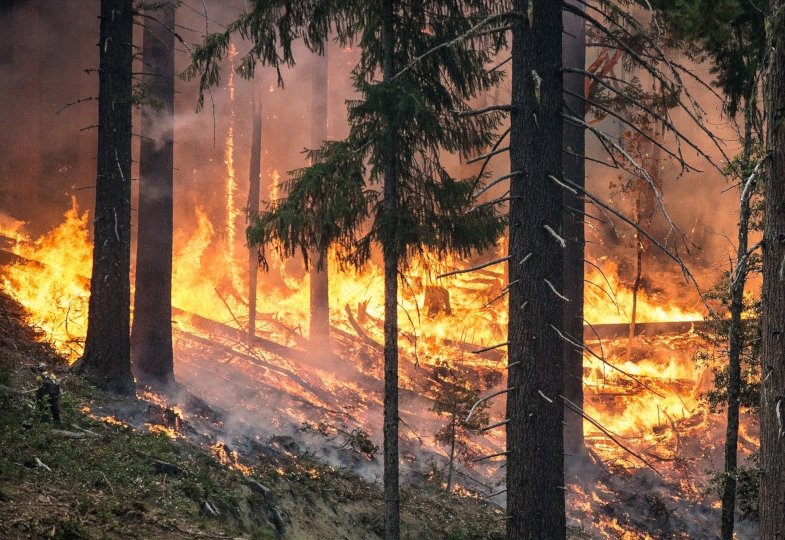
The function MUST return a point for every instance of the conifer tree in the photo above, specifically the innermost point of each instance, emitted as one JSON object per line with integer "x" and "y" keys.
{"x": 535, "y": 447}
{"x": 772, "y": 410}
{"x": 106, "y": 360}
{"x": 398, "y": 131}
{"x": 151, "y": 334}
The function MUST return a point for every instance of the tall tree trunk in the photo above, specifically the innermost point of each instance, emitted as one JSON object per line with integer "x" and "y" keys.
{"x": 574, "y": 142}
{"x": 736, "y": 343}
{"x": 151, "y": 335}
{"x": 772, "y": 411}
{"x": 320, "y": 293}
{"x": 392, "y": 495}
{"x": 254, "y": 193}
{"x": 535, "y": 446}
{"x": 107, "y": 355}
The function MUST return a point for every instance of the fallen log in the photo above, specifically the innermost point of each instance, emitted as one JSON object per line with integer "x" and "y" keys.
{"x": 360, "y": 332}
{"x": 621, "y": 330}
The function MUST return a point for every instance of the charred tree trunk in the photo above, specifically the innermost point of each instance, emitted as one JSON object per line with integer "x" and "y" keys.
{"x": 392, "y": 495}
{"x": 535, "y": 446}
{"x": 151, "y": 335}
{"x": 107, "y": 355}
{"x": 319, "y": 333}
{"x": 772, "y": 411}
{"x": 736, "y": 344}
{"x": 574, "y": 142}
{"x": 254, "y": 193}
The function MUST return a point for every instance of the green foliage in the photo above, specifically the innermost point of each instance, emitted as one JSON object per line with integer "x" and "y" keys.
{"x": 454, "y": 395}
{"x": 326, "y": 204}
{"x": 408, "y": 120}
{"x": 718, "y": 331}
{"x": 733, "y": 37}
{"x": 747, "y": 486}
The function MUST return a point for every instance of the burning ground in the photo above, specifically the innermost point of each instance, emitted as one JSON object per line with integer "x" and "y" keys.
{"x": 652, "y": 445}
{"x": 134, "y": 469}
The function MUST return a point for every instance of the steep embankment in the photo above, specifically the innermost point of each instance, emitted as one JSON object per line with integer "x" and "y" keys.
{"x": 113, "y": 470}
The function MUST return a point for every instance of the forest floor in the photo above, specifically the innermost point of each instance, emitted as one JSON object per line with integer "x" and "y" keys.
{"x": 112, "y": 471}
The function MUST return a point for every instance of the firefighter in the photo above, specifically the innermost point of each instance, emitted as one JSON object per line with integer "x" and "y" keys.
{"x": 48, "y": 387}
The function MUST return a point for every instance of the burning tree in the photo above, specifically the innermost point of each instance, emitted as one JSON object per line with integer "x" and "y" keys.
{"x": 106, "y": 360}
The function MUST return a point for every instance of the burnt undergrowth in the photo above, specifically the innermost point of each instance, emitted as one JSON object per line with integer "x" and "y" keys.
{"x": 132, "y": 468}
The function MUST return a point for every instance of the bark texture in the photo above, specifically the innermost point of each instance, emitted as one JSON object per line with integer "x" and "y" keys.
{"x": 107, "y": 356}
{"x": 736, "y": 344}
{"x": 574, "y": 141}
{"x": 392, "y": 495}
{"x": 320, "y": 292}
{"x": 254, "y": 194}
{"x": 151, "y": 335}
{"x": 535, "y": 464}
{"x": 772, "y": 421}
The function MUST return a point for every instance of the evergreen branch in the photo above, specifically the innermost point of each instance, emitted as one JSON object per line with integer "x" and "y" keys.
{"x": 490, "y": 108}
{"x": 447, "y": 44}
{"x": 473, "y": 268}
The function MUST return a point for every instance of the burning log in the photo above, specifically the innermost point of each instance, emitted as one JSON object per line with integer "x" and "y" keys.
{"x": 360, "y": 332}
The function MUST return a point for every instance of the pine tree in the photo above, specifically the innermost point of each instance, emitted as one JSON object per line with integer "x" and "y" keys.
{"x": 151, "y": 334}
{"x": 319, "y": 333}
{"x": 455, "y": 397}
{"x": 772, "y": 413}
{"x": 399, "y": 128}
{"x": 254, "y": 194}
{"x": 574, "y": 142}
{"x": 106, "y": 360}
{"x": 535, "y": 449}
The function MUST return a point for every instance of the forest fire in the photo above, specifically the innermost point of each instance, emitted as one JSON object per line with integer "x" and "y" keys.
{"x": 528, "y": 296}
{"x": 639, "y": 395}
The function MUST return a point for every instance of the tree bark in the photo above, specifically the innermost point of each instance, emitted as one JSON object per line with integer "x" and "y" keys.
{"x": 151, "y": 335}
{"x": 736, "y": 343}
{"x": 772, "y": 419}
{"x": 254, "y": 194}
{"x": 392, "y": 495}
{"x": 535, "y": 446}
{"x": 574, "y": 142}
{"x": 106, "y": 361}
{"x": 319, "y": 333}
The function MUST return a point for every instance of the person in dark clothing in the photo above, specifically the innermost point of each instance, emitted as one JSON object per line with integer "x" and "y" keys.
{"x": 49, "y": 387}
